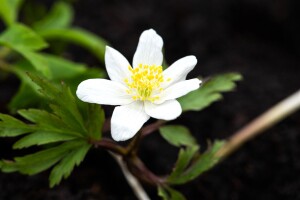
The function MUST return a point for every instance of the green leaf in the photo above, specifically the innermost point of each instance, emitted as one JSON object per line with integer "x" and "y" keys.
{"x": 60, "y": 16}
{"x": 203, "y": 163}
{"x": 209, "y": 92}
{"x": 9, "y": 10}
{"x": 25, "y": 97}
{"x": 41, "y": 138}
{"x": 42, "y": 160}
{"x": 43, "y": 119}
{"x": 11, "y": 127}
{"x": 20, "y": 36}
{"x": 177, "y": 135}
{"x": 65, "y": 106}
{"x": 168, "y": 193}
{"x": 62, "y": 69}
{"x": 83, "y": 38}
{"x": 46, "y": 121}
{"x": 94, "y": 121}
{"x": 26, "y": 42}
{"x": 37, "y": 60}
{"x": 67, "y": 164}
{"x": 185, "y": 157}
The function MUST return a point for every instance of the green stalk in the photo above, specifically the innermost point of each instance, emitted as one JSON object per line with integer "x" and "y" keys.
{"x": 261, "y": 123}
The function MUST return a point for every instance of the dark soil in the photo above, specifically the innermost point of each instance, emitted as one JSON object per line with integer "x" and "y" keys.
{"x": 258, "y": 38}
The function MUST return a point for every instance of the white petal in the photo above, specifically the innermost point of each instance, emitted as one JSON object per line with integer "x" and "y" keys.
{"x": 149, "y": 49}
{"x": 127, "y": 120}
{"x": 116, "y": 65}
{"x": 102, "y": 91}
{"x": 179, "y": 89}
{"x": 178, "y": 71}
{"x": 167, "y": 111}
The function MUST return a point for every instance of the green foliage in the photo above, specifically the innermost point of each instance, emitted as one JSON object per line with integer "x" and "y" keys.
{"x": 10, "y": 126}
{"x": 62, "y": 70}
{"x": 26, "y": 42}
{"x": 199, "y": 164}
{"x": 177, "y": 135}
{"x": 190, "y": 162}
{"x": 184, "y": 159}
{"x": 90, "y": 41}
{"x": 66, "y": 165}
{"x": 167, "y": 193}
{"x": 9, "y": 10}
{"x": 64, "y": 127}
{"x": 209, "y": 92}
{"x": 60, "y": 16}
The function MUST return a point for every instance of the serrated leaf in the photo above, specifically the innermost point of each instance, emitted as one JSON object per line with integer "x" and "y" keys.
{"x": 203, "y": 163}
{"x": 168, "y": 193}
{"x": 26, "y": 42}
{"x": 28, "y": 95}
{"x": 177, "y": 135}
{"x": 9, "y": 10}
{"x": 42, "y": 118}
{"x": 43, "y": 137}
{"x": 65, "y": 106}
{"x": 60, "y": 16}
{"x": 83, "y": 38}
{"x": 184, "y": 159}
{"x": 209, "y": 92}
{"x": 11, "y": 127}
{"x": 42, "y": 160}
{"x": 67, "y": 164}
{"x": 94, "y": 121}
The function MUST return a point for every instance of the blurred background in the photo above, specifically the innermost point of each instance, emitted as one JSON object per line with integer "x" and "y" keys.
{"x": 257, "y": 38}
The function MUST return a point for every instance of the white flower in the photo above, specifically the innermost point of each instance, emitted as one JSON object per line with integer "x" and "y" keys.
{"x": 142, "y": 90}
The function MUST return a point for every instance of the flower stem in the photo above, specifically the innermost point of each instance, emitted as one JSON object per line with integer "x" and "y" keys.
{"x": 152, "y": 127}
{"x": 134, "y": 183}
{"x": 109, "y": 145}
{"x": 138, "y": 168}
{"x": 261, "y": 123}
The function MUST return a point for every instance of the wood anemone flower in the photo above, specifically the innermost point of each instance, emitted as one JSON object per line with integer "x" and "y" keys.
{"x": 142, "y": 90}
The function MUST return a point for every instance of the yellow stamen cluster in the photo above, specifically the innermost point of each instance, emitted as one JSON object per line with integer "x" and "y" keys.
{"x": 143, "y": 81}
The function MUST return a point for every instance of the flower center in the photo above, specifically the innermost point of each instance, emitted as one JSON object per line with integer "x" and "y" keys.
{"x": 144, "y": 80}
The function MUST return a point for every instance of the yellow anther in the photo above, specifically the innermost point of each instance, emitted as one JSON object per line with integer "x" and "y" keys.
{"x": 143, "y": 81}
